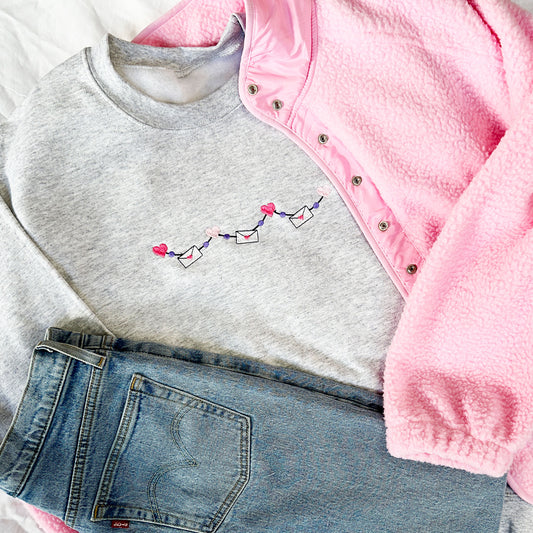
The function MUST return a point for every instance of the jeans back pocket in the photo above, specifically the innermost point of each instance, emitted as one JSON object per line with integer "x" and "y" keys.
{"x": 177, "y": 460}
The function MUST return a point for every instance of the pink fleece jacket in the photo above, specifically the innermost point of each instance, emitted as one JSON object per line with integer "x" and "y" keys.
{"x": 427, "y": 117}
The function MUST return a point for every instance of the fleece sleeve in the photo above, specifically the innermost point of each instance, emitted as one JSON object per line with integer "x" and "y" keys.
{"x": 33, "y": 296}
{"x": 459, "y": 372}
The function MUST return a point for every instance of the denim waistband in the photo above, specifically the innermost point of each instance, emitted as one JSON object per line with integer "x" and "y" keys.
{"x": 104, "y": 345}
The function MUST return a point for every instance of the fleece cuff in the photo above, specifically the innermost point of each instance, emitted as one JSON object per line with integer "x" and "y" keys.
{"x": 422, "y": 442}
{"x": 520, "y": 477}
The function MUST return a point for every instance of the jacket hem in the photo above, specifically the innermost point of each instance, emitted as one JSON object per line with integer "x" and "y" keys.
{"x": 520, "y": 490}
{"x": 454, "y": 449}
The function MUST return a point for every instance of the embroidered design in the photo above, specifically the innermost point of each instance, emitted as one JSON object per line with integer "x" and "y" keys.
{"x": 297, "y": 219}
{"x": 213, "y": 232}
{"x": 268, "y": 209}
{"x": 160, "y": 250}
{"x": 244, "y": 237}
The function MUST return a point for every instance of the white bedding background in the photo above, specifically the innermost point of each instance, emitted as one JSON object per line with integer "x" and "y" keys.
{"x": 35, "y": 36}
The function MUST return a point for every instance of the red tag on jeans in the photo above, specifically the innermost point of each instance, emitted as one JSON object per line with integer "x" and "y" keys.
{"x": 121, "y": 524}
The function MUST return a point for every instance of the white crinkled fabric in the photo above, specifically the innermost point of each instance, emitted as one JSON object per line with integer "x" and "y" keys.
{"x": 14, "y": 516}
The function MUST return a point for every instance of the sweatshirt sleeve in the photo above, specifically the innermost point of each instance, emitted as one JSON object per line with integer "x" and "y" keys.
{"x": 33, "y": 296}
{"x": 458, "y": 382}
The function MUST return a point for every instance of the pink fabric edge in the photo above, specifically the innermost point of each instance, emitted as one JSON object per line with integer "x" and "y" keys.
{"x": 151, "y": 28}
{"x": 47, "y": 522}
{"x": 402, "y": 281}
{"x": 520, "y": 491}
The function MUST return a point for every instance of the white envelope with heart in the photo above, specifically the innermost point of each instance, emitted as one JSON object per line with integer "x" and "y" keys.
{"x": 244, "y": 237}
{"x": 190, "y": 256}
{"x": 301, "y": 217}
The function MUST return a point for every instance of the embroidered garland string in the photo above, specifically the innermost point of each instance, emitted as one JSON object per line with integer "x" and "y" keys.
{"x": 194, "y": 253}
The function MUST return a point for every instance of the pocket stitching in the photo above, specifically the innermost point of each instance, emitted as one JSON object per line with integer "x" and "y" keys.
{"x": 189, "y": 402}
{"x": 188, "y": 399}
{"x": 242, "y": 479}
{"x": 175, "y": 426}
{"x": 109, "y": 470}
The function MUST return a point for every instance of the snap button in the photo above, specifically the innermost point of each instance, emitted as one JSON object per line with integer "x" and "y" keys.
{"x": 383, "y": 225}
{"x": 411, "y": 269}
{"x": 277, "y": 104}
{"x": 253, "y": 88}
{"x": 356, "y": 180}
{"x": 323, "y": 138}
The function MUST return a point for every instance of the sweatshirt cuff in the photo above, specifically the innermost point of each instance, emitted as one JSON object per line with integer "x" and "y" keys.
{"x": 422, "y": 442}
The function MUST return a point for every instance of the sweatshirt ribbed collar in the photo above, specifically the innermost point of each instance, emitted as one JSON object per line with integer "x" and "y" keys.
{"x": 110, "y": 52}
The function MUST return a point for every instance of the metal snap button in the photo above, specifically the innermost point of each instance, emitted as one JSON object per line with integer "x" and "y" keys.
{"x": 383, "y": 225}
{"x": 411, "y": 269}
{"x": 277, "y": 104}
{"x": 357, "y": 180}
{"x": 323, "y": 138}
{"x": 253, "y": 88}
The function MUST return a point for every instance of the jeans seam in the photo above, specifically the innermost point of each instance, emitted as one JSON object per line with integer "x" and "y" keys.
{"x": 124, "y": 426}
{"x": 244, "y": 476}
{"x": 44, "y": 433}
{"x": 360, "y": 404}
{"x": 78, "y": 472}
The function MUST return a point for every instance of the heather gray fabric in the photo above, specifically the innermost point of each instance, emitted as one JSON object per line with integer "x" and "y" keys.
{"x": 97, "y": 170}
{"x": 517, "y": 516}
{"x": 124, "y": 147}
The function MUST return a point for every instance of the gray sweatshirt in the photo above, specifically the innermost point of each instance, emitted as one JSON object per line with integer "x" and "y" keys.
{"x": 124, "y": 148}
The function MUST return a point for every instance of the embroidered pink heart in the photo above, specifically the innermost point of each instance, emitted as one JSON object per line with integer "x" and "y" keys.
{"x": 160, "y": 250}
{"x": 189, "y": 257}
{"x": 324, "y": 191}
{"x": 213, "y": 232}
{"x": 268, "y": 209}
{"x": 247, "y": 236}
{"x": 301, "y": 217}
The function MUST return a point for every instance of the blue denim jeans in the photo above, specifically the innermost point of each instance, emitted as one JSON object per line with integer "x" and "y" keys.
{"x": 115, "y": 433}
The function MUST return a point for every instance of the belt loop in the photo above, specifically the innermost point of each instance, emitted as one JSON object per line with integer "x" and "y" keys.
{"x": 48, "y": 333}
{"x": 106, "y": 342}
{"x": 75, "y": 352}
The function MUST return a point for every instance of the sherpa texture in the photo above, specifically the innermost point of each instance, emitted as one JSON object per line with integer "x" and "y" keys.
{"x": 434, "y": 100}
{"x": 458, "y": 377}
